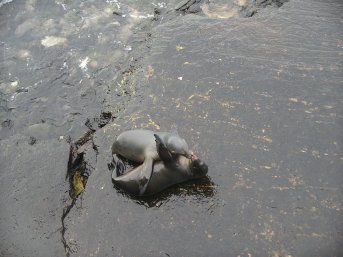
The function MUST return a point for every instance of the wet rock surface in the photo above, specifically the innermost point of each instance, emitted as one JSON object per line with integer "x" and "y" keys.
{"x": 255, "y": 87}
{"x": 32, "y": 195}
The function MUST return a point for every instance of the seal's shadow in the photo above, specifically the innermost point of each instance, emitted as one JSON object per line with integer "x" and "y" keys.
{"x": 200, "y": 188}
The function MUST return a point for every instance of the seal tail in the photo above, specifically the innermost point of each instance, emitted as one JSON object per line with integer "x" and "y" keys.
{"x": 146, "y": 174}
{"x": 137, "y": 180}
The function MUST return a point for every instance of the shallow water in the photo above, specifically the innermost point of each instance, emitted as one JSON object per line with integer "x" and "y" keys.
{"x": 258, "y": 98}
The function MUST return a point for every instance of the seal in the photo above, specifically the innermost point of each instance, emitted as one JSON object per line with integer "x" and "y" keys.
{"x": 137, "y": 144}
{"x": 170, "y": 170}
{"x": 140, "y": 146}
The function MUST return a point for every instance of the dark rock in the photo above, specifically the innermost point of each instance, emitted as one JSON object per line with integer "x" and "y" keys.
{"x": 253, "y": 6}
{"x": 7, "y": 123}
{"x": 98, "y": 122}
{"x": 195, "y": 8}
{"x": 32, "y": 140}
{"x": 184, "y": 4}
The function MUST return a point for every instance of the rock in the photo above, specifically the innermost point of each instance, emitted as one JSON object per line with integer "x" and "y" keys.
{"x": 195, "y": 8}
{"x": 39, "y": 130}
{"x": 32, "y": 192}
{"x": 184, "y": 4}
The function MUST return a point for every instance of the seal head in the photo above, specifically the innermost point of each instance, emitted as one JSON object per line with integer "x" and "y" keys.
{"x": 198, "y": 168}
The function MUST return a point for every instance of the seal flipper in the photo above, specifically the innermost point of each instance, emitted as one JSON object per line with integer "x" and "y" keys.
{"x": 118, "y": 166}
{"x": 136, "y": 181}
{"x": 162, "y": 150}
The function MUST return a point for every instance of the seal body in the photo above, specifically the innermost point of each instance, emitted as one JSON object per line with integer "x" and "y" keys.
{"x": 184, "y": 169}
{"x": 140, "y": 146}
{"x": 165, "y": 159}
{"x": 164, "y": 175}
{"x": 137, "y": 145}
